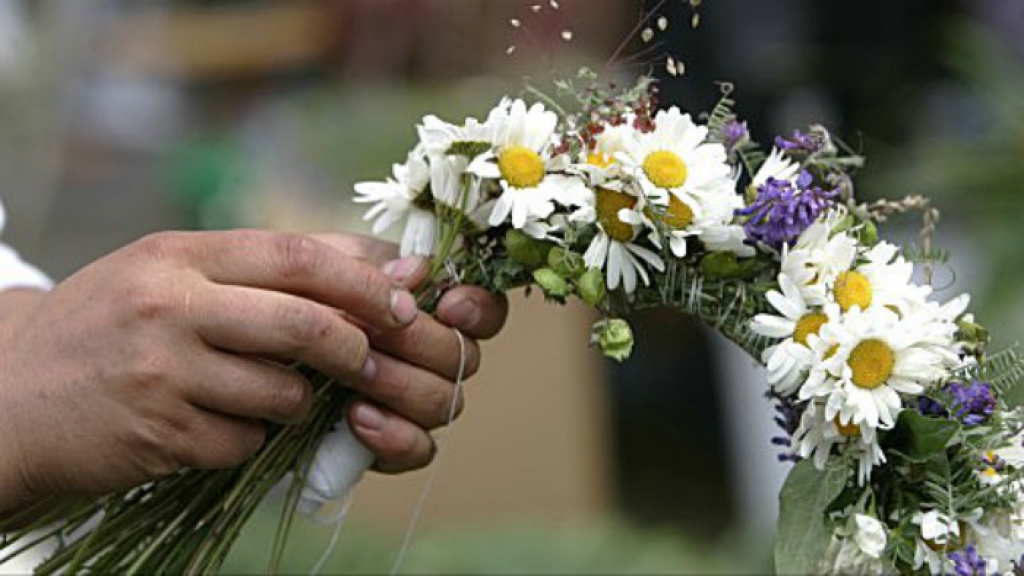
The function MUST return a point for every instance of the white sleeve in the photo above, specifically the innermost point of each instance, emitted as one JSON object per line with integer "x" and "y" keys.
{"x": 15, "y": 272}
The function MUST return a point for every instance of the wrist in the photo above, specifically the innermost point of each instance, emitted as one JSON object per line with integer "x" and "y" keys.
{"x": 15, "y": 490}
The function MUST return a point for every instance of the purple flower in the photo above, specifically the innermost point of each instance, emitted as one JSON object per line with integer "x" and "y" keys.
{"x": 811, "y": 142}
{"x": 968, "y": 562}
{"x": 733, "y": 133}
{"x": 972, "y": 403}
{"x": 928, "y": 407}
{"x": 784, "y": 209}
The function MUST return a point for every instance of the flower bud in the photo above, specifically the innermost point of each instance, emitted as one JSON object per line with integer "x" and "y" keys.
{"x": 566, "y": 263}
{"x": 551, "y": 282}
{"x": 525, "y": 249}
{"x": 614, "y": 337}
{"x": 591, "y": 287}
{"x": 869, "y": 234}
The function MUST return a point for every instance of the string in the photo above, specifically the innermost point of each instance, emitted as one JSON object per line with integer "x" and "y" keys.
{"x": 432, "y": 474}
{"x": 338, "y": 521}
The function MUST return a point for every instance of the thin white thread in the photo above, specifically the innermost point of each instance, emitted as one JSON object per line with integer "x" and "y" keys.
{"x": 432, "y": 474}
{"x": 339, "y": 521}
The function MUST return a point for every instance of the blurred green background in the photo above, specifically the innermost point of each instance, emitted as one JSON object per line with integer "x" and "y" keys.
{"x": 122, "y": 117}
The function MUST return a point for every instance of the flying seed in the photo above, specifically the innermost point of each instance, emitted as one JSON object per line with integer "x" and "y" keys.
{"x": 647, "y": 35}
{"x": 662, "y": 23}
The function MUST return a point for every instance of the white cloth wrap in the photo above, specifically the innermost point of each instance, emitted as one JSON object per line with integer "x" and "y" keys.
{"x": 338, "y": 466}
{"x": 15, "y": 272}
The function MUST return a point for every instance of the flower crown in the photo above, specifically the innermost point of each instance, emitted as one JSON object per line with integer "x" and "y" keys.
{"x": 906, "y": 457}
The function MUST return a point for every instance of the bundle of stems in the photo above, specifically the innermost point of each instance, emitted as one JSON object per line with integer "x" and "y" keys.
{"x": 187, "y": 523}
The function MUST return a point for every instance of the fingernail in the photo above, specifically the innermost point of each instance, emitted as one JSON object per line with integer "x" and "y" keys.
{"x": 399, "y": 270}
{"x": 366, "y": 416}
{"x": 403, "y": 306}
{"x": 464, "y": 314}
{"x": 369, "y": 369}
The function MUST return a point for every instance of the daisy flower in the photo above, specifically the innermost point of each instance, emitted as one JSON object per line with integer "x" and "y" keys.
{"x": 520, "y": 160}
{"x": 440, "y": 138}
{"x": 674, "y": 156}
{"x": 405, "y": 196}
{"x": 858, "y": 547}
{"x": 939, "y": 535}
{"x": 818, "y": 258}
{"x": 687, "y": 180}
{"x": 788, "y": 361}
{"x": 776, "y": 166}
{"x": 817, "y": 434}
{"x": 598, "y": 166}
{"x": 614, "y": 248}
{"x": 867, "y": 359}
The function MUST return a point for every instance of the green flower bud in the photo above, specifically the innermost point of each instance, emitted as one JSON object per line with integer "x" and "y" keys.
{"x": 869, "y": 234}
{"x": 525, "y": 249}
{"x": 843, "y": 225}
{"x": 591, "y": 286}
{"x": 552, "y": 283}
{"x": 567, "y": 263}
{"x": 614, "y": 337}
{"x": 974, "y": 335}
{"x": 720, "y": 265}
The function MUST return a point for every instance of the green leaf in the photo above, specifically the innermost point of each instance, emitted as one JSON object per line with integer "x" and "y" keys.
{"x": 804, "y": 532}
{"x": 922, "y": 438}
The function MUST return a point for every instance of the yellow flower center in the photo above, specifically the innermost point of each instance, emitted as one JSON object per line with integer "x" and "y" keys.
{"x": 853, "y": 289}
{"x": 608, "y": 204}
{"x": 677, "y": 215}
{"x": 831, "y": 351}
{"x": 665, "y": 169}
{"x": 872, "y": 362}
{"x": 809, "y": 324}
{"x": 521, "y": 167}
{"x": 599, "y": 159}
{"x": 850, "y": 430}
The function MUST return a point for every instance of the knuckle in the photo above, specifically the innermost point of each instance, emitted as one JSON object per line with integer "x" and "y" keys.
{"x": 299, "y": 257}
{"x": 159, "y": 245}
{"x": 396, "y": 389}
{"x": 150, "y": 373}
{"x": 145, "y": 300}
{"x": 292, "y": 399}
{"x": 154, "y": 446}
{"x": 439, "y": 400}
{"x": 363, "y": 279}
{"x": 304, "y": 323}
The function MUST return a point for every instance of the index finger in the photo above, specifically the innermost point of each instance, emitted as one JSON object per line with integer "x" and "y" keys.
{"x": 375, "y": 251}
{"x": 303, "y": 266}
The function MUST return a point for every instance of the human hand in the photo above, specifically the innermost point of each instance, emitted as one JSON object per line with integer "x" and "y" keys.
{"x": 412, "y": 389}
{"x": 159, "y": 356}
